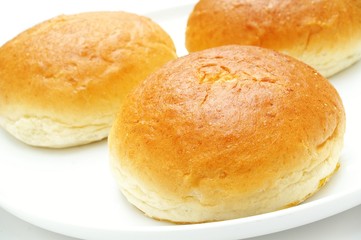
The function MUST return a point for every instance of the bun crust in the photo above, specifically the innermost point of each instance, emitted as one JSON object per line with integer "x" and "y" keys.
{"x": 325, "y": 34}
{"x": 225, "y": 133}
{"x": 62, "y": 81}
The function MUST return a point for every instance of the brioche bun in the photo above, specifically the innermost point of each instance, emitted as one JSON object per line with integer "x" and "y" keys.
{"x": 225, "y": 133}
{"x": 62, "y": 81}
{"x": 326, "y": 34}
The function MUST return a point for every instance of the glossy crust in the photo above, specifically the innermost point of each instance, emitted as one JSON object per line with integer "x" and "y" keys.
{"x": 226, "y": 133}
{"x": 325, "y": 34}
{"x": 62, "y": 81}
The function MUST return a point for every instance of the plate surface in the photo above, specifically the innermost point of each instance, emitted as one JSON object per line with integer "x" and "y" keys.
{"x": 72, "y": 191}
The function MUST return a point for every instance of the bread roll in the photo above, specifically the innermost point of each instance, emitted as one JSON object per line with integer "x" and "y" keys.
{"x": 225, "y": 133}
{"x": 325, "y": 34}
{"x": 62, "y": 81}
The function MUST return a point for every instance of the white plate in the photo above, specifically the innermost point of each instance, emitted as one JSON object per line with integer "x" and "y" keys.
{"x": 72, "y": 191}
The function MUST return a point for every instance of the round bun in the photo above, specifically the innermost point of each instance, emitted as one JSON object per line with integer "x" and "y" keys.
{"x": 325, "y": 34}
{"x": 62, "y": 81}
{"x": 225, "y": 133}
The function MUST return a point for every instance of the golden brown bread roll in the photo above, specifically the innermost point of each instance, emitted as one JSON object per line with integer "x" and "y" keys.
{"x": 325, "y": 34}
{"x": 62, "y": 81}
{"x": 226, "y": 133}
